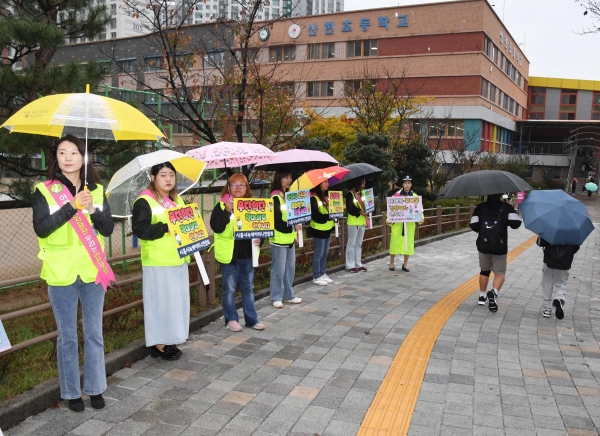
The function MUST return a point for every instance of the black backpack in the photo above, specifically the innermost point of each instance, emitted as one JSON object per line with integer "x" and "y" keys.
{"x": 492, "y": 229}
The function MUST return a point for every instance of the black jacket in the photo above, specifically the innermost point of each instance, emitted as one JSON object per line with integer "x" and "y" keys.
{"x": 45, "y": 223}
{"x": 351, "y": 208}
{"x": 141, "y": 222}
{"x": 496, "y": 216}
{"x": 558, "y": 256}
{"x": 319, "y": 218}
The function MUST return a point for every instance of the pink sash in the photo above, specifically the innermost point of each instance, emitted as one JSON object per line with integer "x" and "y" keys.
{"x": 86, "y": 235}
{"x": 167, "y": 203}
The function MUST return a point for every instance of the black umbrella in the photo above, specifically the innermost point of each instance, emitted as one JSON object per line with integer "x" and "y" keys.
{"x": 485, "y": 182}
{"x": 358, "y": 170}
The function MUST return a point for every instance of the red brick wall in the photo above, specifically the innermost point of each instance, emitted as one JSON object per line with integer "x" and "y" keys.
{"x": 411, "y": 45}
{"x": 434, "y": 86}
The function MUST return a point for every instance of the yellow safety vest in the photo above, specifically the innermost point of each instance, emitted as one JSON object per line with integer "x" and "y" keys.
{"x": 323, "y": 210}
{"x": 359, "y": 220}
{"x": 224, "y": 241}
{"x": 283, "y": 238}
{"x": 162, "y": 251}
{"x": 63, "y": 255}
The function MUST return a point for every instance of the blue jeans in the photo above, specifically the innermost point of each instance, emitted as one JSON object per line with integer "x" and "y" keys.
{"x": 243, "y": 273}
{"x": 354, "y": 246}
{"x": 319, "y": 263}
{"x": 283, "y": 269}
{"x": 64, "y": 301}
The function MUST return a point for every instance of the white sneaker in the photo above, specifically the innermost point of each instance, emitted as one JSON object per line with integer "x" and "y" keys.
{"x": 295, "y": 300}
{"x": 320, "y": 282}
{"x": 277, "y": 304}
{"x": 326, "y": 278}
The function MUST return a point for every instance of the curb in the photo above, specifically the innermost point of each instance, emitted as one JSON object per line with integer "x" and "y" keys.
{"x": 44, "y": 395}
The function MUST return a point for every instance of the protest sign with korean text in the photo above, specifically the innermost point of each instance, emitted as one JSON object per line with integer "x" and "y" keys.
{"x": 369, "y": 199}
{"x": 187, "y": 229}
{"x": 298, "y": 207}
{"x": 404, "y": 209}
{"x": 253, "y": 218}
{"x": 336, "y": 204}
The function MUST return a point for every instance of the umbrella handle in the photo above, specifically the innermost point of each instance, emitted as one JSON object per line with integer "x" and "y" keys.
{"x": 79, "y": 206}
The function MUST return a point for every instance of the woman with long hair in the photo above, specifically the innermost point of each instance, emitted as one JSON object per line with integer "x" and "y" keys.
{"x": 68, "y": 216}
{"x": 165, "y": 285}
{"x": 320, "y": 231}
{"x": 234, "y": 256}
{"x": 357, "y": 221}
{"x": 283, "y": 248}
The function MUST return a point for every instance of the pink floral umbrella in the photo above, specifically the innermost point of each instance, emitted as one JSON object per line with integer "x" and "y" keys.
{"x": 230, "y": 154}
{"x": 297, "y": 160}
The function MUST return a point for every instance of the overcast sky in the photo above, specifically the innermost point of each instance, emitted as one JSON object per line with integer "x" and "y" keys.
{"x": 547, "y": 28}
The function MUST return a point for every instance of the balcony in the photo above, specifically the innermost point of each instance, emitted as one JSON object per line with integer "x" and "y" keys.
{"x": 540, "y": 148}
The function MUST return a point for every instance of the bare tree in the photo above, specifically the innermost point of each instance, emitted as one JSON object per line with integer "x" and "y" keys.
{"x": 454, "y": 151}
{"x": 381, "y": 100}
{"x": 591, "y": 7}
{"x": 222, "y": 83}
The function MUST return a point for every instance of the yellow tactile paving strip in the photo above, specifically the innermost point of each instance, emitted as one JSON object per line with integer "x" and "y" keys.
{"x": 391, "y": 411}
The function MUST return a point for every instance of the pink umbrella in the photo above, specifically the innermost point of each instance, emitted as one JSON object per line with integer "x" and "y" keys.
{"x": 297, "y": 160}
{"x": 230, "y": 154}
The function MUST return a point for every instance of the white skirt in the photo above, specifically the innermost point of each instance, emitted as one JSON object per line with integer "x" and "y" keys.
{"x": 166, "y": 292}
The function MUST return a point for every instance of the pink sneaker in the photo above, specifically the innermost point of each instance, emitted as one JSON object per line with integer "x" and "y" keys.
{"x": 258, "y": 326}
{"x": 234, "y": 326}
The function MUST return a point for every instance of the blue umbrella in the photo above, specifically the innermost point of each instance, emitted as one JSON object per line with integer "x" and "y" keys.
{"x": 557, "y": 217}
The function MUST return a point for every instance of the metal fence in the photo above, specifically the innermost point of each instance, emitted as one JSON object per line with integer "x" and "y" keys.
{"x": 439, "y": 220}
{"x": 19, "y": 246}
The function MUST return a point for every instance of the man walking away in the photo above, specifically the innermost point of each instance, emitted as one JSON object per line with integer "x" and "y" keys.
{"x": 491, "y": 220}
{"x": 555, "y": 273}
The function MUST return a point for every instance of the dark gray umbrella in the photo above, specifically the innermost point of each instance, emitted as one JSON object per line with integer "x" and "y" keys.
{"x": 357, "y": 170}
{"x": 485, "y": 182}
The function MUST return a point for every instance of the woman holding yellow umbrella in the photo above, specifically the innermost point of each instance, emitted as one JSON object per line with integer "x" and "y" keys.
{"x": 68, "y": 224}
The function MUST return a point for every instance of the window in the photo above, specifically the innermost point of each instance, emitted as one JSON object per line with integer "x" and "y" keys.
{"x": 362, "y": 48}
{"x": 185, "y": 127}
{"x": 287, "y": 88}
{"x": 126, "y": 95}
{"x": 113, "y": 9}
{"x": 568, "y": 97}
{"x": 319, "y": 89}
{"x": 113, "y": 23}
{"x": 153, "y": 63}
{"x": 105, "y": 67}
{"x": 568, "y": 104}
{"x": 485, "y": 88}
{"x": 501, "y": 61}
{"x": 126, "y": 65}
{"x": 321, "y": 51}
{"x": 445, "y": 128}
{"x": 353, "y": 85}
{"x": 537, "y": 103}
{"x": 213, "y": 59}
{"x": 282, "y": 53}
{"x": 151, "y": 98}
{"x": 113, "y": 35}
{"x": 596, "y": 106}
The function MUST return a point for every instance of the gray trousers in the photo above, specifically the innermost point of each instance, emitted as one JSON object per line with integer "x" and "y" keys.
{"x": 554, "y": 285}
{"x": 354, "y": 247}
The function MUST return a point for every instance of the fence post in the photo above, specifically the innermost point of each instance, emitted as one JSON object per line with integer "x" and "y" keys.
{"x": 384, "y": 232}
{"x": 342, "y": 239}
{"x": 210, "y": 270}
{"x": 457, "y": 217}
{"x": 438, "y": 217}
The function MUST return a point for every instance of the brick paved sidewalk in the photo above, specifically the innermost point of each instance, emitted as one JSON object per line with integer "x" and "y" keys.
{"x": 318, "y": 365}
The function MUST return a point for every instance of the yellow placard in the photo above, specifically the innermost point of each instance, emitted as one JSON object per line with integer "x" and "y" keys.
{"x": 336, "y": 204}
{"x": 187, "y": 229}
{"x": 253, "y": 218}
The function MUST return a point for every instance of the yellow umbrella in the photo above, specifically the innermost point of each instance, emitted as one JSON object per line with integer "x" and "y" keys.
{"x": 84, "y": 115}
